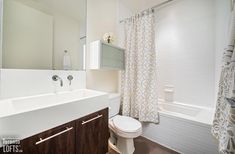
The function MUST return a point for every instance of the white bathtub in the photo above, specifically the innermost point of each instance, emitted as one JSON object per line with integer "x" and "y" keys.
{"x": 190, "y": 112}
{"x": 184, "y": 128}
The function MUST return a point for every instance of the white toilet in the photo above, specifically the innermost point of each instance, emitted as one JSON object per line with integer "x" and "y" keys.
{"x": 123, "y": 129}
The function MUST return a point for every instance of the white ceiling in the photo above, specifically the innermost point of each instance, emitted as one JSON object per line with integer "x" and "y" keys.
{"x": 139, "y": 5}
{"x": 72, "y": 8}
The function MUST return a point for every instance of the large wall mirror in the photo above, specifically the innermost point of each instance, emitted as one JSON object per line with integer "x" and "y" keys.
{"x": 44, "y": 34}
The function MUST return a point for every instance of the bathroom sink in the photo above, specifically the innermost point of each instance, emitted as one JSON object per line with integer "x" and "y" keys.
{"x": 27, "y": 116}
{"x": 51, "y": 99}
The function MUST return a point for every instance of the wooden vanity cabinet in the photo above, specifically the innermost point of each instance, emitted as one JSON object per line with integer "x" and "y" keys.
{"x": 92, "y": 133}
{"x": 87, "y": 135}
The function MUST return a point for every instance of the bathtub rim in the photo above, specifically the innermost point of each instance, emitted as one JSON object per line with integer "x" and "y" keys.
{"x": 186, "y": 118}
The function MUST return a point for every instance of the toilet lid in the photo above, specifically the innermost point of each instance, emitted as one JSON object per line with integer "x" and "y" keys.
{"x": 126, "y": 124}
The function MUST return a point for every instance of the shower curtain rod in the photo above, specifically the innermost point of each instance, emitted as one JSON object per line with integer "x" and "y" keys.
{"x": 154, "y": 7}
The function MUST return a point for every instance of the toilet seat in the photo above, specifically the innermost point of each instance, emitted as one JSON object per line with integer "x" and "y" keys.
{"x": 126, "y": 124}
{"x": 125, "y": 127}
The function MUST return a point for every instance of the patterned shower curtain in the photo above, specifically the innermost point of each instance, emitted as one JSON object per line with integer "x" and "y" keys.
{"x": 224, "y": 121}
{"x": 139, "y": 87}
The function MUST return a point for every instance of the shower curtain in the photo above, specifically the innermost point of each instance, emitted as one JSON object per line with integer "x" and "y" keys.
{"x": 224, "y": 121}
{"x": 139, "y": 87}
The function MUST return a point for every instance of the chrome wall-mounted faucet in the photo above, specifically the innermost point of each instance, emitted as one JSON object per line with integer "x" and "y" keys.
{"x": 56, "y": 78}
{"x": 70, "y": 78}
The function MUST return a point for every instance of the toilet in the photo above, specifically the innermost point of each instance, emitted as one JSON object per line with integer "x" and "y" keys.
{"x": 123, "y": 129}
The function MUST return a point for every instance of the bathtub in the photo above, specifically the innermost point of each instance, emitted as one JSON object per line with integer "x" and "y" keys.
{"x": 189, "y": 112}
{"x": 183, "y": 128}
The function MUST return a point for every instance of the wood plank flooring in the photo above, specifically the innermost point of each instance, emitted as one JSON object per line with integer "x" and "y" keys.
{"x": 145, "y": 146}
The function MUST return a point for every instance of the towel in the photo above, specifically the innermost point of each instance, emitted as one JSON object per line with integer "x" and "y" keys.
{"x": 67, "y": 61}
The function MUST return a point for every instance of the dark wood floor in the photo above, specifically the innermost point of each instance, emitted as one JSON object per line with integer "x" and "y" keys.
{"x": 145, "y": 146}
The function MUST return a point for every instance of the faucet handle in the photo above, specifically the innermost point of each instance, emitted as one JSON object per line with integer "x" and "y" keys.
{"x": 55, "y": 77}
{"x": 70, "y": 78}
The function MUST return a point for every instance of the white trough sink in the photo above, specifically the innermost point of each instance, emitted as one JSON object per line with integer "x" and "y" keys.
{"x": 48, "y": 100}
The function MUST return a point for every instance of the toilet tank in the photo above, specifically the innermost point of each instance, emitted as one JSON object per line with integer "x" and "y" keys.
{"x": 114, "y": 104}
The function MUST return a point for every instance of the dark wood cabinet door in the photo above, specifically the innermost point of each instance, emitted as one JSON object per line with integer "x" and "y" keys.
{"x": 92, "y": 133}
{"x": 59, "y": 140}
{"x": 87, "y": 135}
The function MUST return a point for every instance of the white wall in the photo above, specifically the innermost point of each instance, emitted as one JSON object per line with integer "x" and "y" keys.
{"x": 222, "y": 24}
{"x": 185, "y": 46}
{"x": 18, "y": 82}
{"x": 101, "y": 18}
